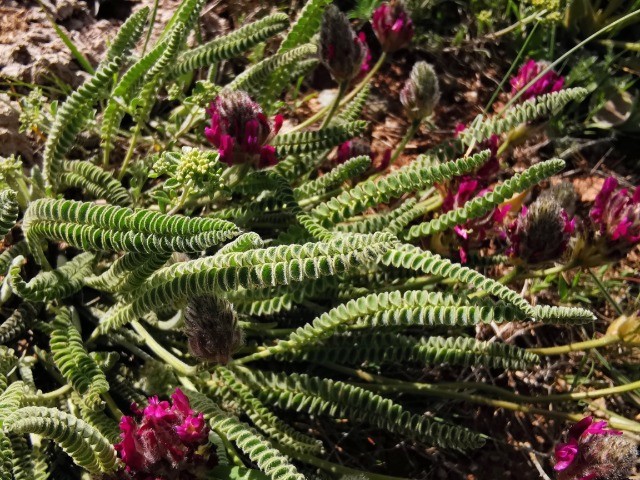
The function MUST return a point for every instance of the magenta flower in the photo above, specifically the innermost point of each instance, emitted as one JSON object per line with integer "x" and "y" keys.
{"x": 393, "y": 26}
{"x": 240, "y": 130}
{"x": 593, "y": 451}
{"x": 616, "y": 216}
{"x": 550, "y": 82}
{"x": 540, "y": 233}
{"x": 366, "y": 63}
{"x": 351, "y": 149}
{"x": 491, "y": 166}
{"x": 163, "y": 441}
{"x": 473, "y": 233}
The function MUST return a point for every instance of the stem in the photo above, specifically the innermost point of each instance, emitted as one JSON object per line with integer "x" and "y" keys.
{"x": 342, "y": 88}
{"x": 332, "y": 467}
{"x": 318, "y": 115}
{"x": 606, "y": 293}
{"x": 510, "y": 28}
{"x": 186, "y": 191}
{"x": 132, "y": 147}
{"x": 111, "y": 405}
{"x": 46, "y": 397}
{"x": 389, "y": 385}
{"x": 163, "y": 353}
{"x": 576, "y": 347}
{"x": 413, "y": 128}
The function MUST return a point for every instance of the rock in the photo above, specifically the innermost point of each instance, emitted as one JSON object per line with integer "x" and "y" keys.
{"x": 11, "y": 141}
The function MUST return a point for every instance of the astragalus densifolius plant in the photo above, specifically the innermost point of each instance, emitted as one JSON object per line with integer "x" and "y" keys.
{"x": 192, "y": 298}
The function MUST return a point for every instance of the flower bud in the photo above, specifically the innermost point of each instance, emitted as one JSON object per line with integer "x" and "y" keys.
{"x": 212, "y": 329}
{"x": 392, "y": 25}
{"x": 541, "y": 233}
{"x": 550, "y": 82}
{"x": 353, "y": 148}
{"x": 593, "y": 452}
{"x": 564, "y": 194}
{"x": 616, "y": 217}
{"x": 341, "y": 51}
{"x": 240, "y": 130}
{"x": 421, "y": 92}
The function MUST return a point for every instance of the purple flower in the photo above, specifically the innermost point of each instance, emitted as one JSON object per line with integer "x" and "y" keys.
{"x": 473, "y": 233}
{"x": 366, "y": 63}
{"x": 550, "y": 82}
{"x": 491, "y": 166}
{"x": 593, "y": 451}
{"x": 351, "y": 149}
{"x": 393, "y": 26}
{"x": 163, "y": 441}
{"x": 240, "y": 130}
{"x": 616, "y": 216}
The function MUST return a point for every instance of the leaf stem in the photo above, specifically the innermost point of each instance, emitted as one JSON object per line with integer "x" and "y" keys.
{"x": 342, "y": 88}
{"x": 411, "y": 131}
{"x": 577, "y": 347}
{"x": 332, "y": 467}
{"x": 163, "y": 353}
{"x": 132, "y": 147}
{"x": 318, "y": 115}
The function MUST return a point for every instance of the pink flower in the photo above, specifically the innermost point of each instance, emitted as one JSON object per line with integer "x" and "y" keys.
{"x": 240, "y": 130}
{"x": 550, "y": 82}
{"x": 616, "y": 216}
{"x": 351, "y": 149}
{"x": 163, "y": 441}
{"x": 393, "y": 26}
{"x": 366, "y": 63}
{"x": 474, "y": 232}
{"x": 593, "y": 451}
{"x": 491, "y": 166}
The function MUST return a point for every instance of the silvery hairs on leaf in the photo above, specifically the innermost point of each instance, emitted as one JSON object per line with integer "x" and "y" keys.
{"x": 212, "y": 329}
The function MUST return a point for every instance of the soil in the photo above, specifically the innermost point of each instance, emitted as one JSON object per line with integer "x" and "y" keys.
{"x": 32, "y": 53}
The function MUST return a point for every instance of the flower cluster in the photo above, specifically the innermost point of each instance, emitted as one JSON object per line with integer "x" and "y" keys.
{"x": 392, "y": 25}
{"x": 592, "y": 451}
{"x": 541, "y": 233}
{"x": 616, "y": 217}
{"x": 550, "y": 82}
{"x": 241, "y": 131}
{"x": 164, "y": 441}
{"x": 341, "y": 50}
{"x": 198, "y": 169}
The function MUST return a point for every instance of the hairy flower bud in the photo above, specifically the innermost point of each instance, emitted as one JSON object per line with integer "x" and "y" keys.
{"x": 593, "y": 452}
{"x": 392, "y": 25}
{"x": 541, "y": 233}
{"x": 212, "y": 329}
{"x": 353, "y": 148}
{"x": 562, "y": 193}
{"x": 341, "y": 51}
{"x": 616, "y": 216}
{"x": 240, "y": 130}
{"x": 550, "y": 82}
{"x": 421, "y": 92}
